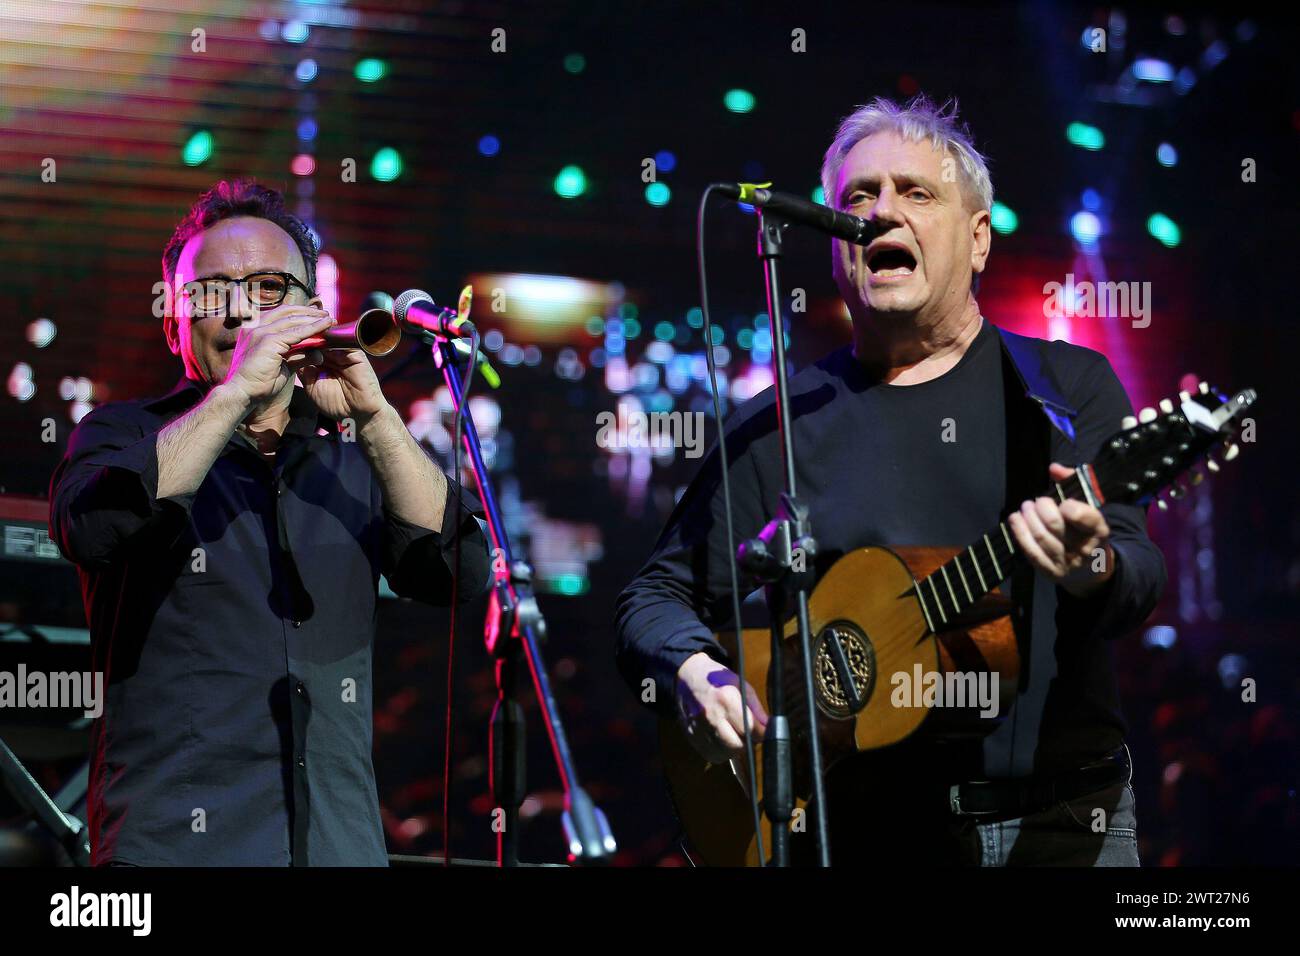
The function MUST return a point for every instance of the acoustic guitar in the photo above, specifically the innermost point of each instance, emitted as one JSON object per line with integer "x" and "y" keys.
{"x": 897, "y": 631}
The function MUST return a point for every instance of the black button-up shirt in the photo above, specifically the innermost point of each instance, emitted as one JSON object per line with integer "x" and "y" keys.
{"x": 234, "y": 628}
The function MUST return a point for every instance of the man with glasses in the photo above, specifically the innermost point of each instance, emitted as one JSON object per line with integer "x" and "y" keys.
{"x": 230, "y": 536}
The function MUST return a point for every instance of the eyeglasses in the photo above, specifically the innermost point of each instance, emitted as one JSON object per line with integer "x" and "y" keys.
{"x": 265, "y": 290}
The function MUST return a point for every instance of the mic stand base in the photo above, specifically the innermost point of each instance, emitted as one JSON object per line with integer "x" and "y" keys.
{"x": 513, "y": 631}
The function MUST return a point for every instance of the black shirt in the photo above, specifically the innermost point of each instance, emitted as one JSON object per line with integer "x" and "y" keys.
{"x": 922, "y": 464}
{"x": 234, "y": 627}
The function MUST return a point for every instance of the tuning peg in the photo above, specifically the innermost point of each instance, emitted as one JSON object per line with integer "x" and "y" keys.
{"x": 1212, "y": 465}
{"x": 1166, "y": 405}
{"x": 1162, "y": 504}
{"x": 1203, "y": 388}
{"x": 1128, "y": 422}
{"x": 1197, "y": 478}
{"x": 1184, "y": 397}
{"x": 1231, "y": 452}
{"x": 1147, "y": 414}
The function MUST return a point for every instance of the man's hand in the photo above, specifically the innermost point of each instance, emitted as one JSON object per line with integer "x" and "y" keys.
{"x": 708, "y": 705}
{"x": 344, "y": 385}
{"x": 1062, "y": 541}
{"x": 261, "y": 367}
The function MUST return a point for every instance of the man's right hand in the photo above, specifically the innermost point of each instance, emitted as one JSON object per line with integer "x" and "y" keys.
{"x": 708, "y": 706}
{"x": 260, "y": 366}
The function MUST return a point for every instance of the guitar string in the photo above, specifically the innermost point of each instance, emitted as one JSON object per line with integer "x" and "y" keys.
{"x": 1074, "y": 490}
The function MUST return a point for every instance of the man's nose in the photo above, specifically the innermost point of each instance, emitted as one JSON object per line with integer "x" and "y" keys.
{"x": 240, "y": 305}
{"x": 885, "y": 209}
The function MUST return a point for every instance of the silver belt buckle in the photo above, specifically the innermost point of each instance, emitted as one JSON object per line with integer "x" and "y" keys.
{"x": 954, "y": 802}
{"x": 954, "y": 799}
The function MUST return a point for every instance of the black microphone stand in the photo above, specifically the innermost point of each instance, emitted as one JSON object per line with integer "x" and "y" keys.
{"x": 513, "y": 630}
{"x": 771, "y": 559}
{"x": 72, "y": 834}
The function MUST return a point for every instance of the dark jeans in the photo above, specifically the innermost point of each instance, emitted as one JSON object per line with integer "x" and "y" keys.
{"x": 889, "y": 824}
{"x": 1099, "y": 829}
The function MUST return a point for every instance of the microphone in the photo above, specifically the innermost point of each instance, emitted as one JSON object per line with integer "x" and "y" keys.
{"x": 804, "y": 211}
{"x": 416, "y": 312}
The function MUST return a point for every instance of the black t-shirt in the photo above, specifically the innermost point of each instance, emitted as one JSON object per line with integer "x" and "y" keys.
{"x": 902, "y": 464}
{"x": 923, "y": 464}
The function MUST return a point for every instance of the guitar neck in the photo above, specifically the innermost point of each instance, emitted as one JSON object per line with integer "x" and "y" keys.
{"x": 955, "y": 587}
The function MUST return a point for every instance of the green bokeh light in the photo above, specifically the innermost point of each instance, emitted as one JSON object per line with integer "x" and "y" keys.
{"x": 386, "y": 165}
{"x": 198, "y": 150}
{"x": 571, "y": 182}
{"x": 1165, "y": 229}
{"x": 371, "y": 70}
{"x": 1005, "y": 221}
{"x": 658, "y": 194}
{"x": 1085, "y": 136}
{"x": 570, "y": 585}
{"x": 739, "y": 101}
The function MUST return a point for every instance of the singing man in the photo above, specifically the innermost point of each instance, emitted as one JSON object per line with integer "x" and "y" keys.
{"x": 229, "y": 537}
{"x": 920, "y": 432}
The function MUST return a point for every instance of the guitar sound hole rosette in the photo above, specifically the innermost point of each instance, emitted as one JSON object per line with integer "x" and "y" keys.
{"x": 860, "y": 657}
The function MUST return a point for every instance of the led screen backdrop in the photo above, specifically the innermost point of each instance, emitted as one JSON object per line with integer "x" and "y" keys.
{"x": 552, "y": 156}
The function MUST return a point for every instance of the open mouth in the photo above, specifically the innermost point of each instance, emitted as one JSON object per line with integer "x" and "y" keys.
{"x": 890, "y": 262}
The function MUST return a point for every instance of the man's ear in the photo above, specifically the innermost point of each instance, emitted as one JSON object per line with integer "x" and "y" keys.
{"x": 981, "y": 226}
{"x": 172, "y": 329}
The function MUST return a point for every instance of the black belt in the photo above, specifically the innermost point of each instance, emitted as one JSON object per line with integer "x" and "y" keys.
{"x": 1021, "y": 796}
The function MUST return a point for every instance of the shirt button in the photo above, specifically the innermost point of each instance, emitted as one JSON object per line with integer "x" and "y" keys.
{"x": 302, "y": 761}
{"x": 297, "y": 623}
{"x": 302, "y": 690}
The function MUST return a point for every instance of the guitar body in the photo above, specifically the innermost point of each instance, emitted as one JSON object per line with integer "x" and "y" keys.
{"x": 867, "y": 605}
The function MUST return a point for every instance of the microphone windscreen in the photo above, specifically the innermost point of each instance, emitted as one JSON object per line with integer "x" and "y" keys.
{"x": 402, "y": 304}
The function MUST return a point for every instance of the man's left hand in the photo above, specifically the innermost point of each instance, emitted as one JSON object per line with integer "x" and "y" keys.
{"x": 1069, "y": 542}
{"x": 344, "y": 385}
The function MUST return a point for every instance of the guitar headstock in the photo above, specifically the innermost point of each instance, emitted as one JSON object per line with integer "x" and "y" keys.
{"x": 1152, "y": 450}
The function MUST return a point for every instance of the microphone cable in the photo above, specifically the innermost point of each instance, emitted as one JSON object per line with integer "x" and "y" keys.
{"x": 731, "y": 536}
{"x": 418, "y": 354}
{"x": 461, "y": 405}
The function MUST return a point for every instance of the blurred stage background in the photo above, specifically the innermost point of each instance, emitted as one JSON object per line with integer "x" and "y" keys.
{"x": 522, "y": 169}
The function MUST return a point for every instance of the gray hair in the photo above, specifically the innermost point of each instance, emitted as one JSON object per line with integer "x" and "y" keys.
{"x": 920, "y": 119}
